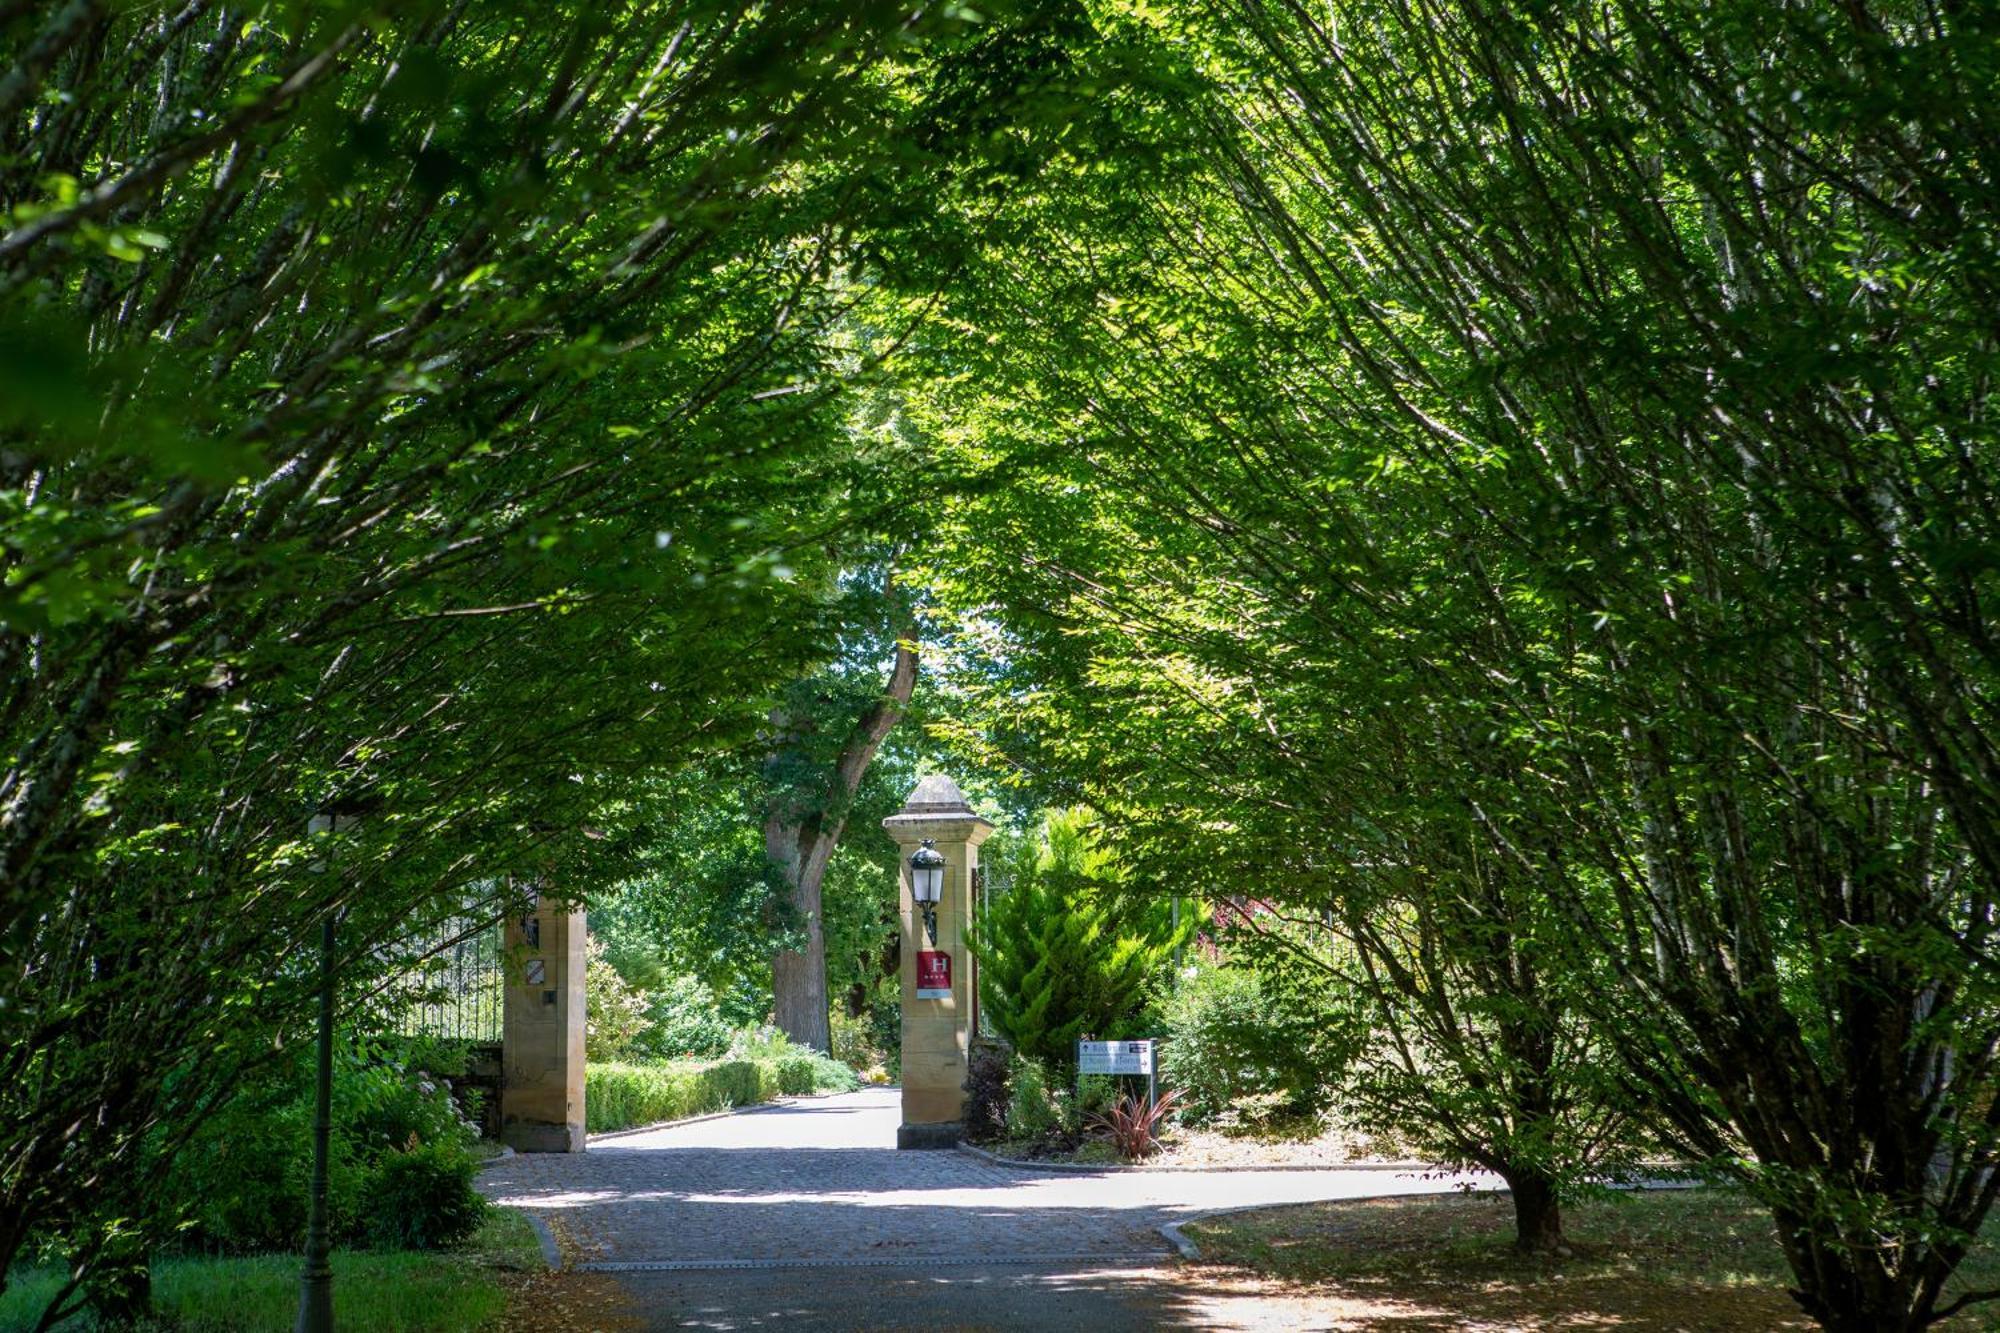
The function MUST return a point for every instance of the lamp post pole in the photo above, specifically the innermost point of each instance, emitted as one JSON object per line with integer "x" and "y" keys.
{"x": 316, "y": 1283}
{"x": 316, "y": 1286}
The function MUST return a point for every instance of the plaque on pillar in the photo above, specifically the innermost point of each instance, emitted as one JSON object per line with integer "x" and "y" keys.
{"x": 933, "y": 974}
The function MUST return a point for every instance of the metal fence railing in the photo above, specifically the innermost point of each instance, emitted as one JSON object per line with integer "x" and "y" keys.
{"x": 456, "y": 990}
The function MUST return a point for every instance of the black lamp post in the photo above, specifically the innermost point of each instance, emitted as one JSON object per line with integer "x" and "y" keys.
{"x": 315, "y": 1314}
{"x": 927, "y": 884}
{"x": 317, "y": 1281}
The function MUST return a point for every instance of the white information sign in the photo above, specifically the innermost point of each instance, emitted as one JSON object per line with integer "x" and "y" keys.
{"x": 1114, "y": 1057}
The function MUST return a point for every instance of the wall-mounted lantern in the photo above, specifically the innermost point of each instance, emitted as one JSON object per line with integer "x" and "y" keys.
{"x": 927, "y": 884}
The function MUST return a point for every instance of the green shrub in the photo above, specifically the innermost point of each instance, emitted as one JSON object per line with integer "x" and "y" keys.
{"x": 795, "y": 1074}
{"x": 245, "y": 1172}
{"x": 1094, "y": 1095}
{"x": 799, "y": 1070}
{"x": 857, "y": 1044}
{"x": 622, "y": 1095}
{"x": 615, "y": 1011}
{"x": 986, "y": 1075}
{"x": 1233, "y": 1039}
{"x": 685, "y": 1022}
{"x": 830, "y": 1075}
{"x": 1071, "y": 948}
{"x": 809, "y": 1072}
{"x": 1034, "y": 1109}
{"x": 885, "y": 1028}
{"x": 619, "y": 1096}
{"x": 422, "y": 1199}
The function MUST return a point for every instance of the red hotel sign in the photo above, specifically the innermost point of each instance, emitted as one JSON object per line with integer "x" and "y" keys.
{"x": 933, "y": 974}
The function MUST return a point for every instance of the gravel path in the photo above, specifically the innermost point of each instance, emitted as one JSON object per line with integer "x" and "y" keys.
{"x": 807, "y": 1214}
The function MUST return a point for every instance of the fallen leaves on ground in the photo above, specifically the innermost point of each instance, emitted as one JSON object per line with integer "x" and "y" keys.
{"x": 566, "y": 1303}
{"x": 1703, "y": 1263}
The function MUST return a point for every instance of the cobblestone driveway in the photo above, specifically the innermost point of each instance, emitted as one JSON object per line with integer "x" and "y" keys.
{"x": 820, "y": 1184}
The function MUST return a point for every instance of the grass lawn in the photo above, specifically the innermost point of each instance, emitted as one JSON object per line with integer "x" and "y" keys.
{"x": 394, "y": 1293}
{"x": 1670, "y": 1259}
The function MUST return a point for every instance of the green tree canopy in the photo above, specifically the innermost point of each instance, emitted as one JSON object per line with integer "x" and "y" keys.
{"x": 1445, "y": 448}
{"x": 439, "y": 414}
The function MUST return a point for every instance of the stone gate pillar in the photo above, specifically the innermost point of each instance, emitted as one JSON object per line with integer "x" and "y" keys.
{"x": 939, "y": 1006}
{"x": 541, "y": 1090}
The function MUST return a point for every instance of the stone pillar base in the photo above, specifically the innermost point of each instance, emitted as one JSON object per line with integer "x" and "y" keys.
{"x": 522, "y": 1136}
{"x": 946, "y": 1135}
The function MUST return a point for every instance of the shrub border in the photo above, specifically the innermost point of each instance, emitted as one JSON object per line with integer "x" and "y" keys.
{"x": 784, "y": 1099}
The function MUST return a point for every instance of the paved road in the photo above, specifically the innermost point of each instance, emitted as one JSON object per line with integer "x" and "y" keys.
{"x": 806, "y": 1214}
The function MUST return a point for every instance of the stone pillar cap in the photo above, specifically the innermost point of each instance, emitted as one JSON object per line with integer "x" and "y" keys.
{"x": 936, "y": 808}
{"x": 935, "y": 795}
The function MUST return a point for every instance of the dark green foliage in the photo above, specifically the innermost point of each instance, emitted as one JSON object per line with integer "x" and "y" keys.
{"x": 885, "y": 1017}
{"x": 243, "y": 1173}
{"x": 1515, "y": 487}
{"x": 986, "y": 1091}
{"x": 703, "y": 900}
{"x": 422, "y": 1199}
{"x": 1035, "y": 1108}
{"x": 685, "y": 1023}
{"x": 1232, "y": 1034}
{"x": 441, "y": 412}
{"x": 1069, "y": 948}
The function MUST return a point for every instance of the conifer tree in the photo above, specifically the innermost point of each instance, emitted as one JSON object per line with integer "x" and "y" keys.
{"x": 1069, "y": 948}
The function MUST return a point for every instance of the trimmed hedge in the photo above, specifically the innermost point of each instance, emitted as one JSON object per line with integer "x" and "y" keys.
{"x": 619, "y": 1096}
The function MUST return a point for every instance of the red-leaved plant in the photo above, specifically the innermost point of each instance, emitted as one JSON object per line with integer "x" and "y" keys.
{"x": 1134, "y": 1123}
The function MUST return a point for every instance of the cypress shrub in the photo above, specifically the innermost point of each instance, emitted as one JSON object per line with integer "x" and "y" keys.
{"x": 1072, "y": 947}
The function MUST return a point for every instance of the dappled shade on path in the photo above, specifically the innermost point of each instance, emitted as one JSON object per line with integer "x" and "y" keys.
{"x": 816, "y": 1183}
{"x": 803, "y": 1213}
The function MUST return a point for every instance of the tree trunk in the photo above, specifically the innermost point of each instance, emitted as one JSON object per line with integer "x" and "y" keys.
{"x": 802, "y": 845}
{"x": 1537, "y": 1213}
{"x": 1846, "y": 1286}
{"x": 798, "y": 978}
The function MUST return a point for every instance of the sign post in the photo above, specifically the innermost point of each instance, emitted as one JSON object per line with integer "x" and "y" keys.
{"x": 1130, "y": 1058}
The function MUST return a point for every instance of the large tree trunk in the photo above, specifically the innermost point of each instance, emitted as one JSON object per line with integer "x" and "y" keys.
{"x": 1846, "y": 1282}
{"x": 803, "y": 843}
{"x": 798, "y": 977}
{"x": 1538, "y": 1227}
